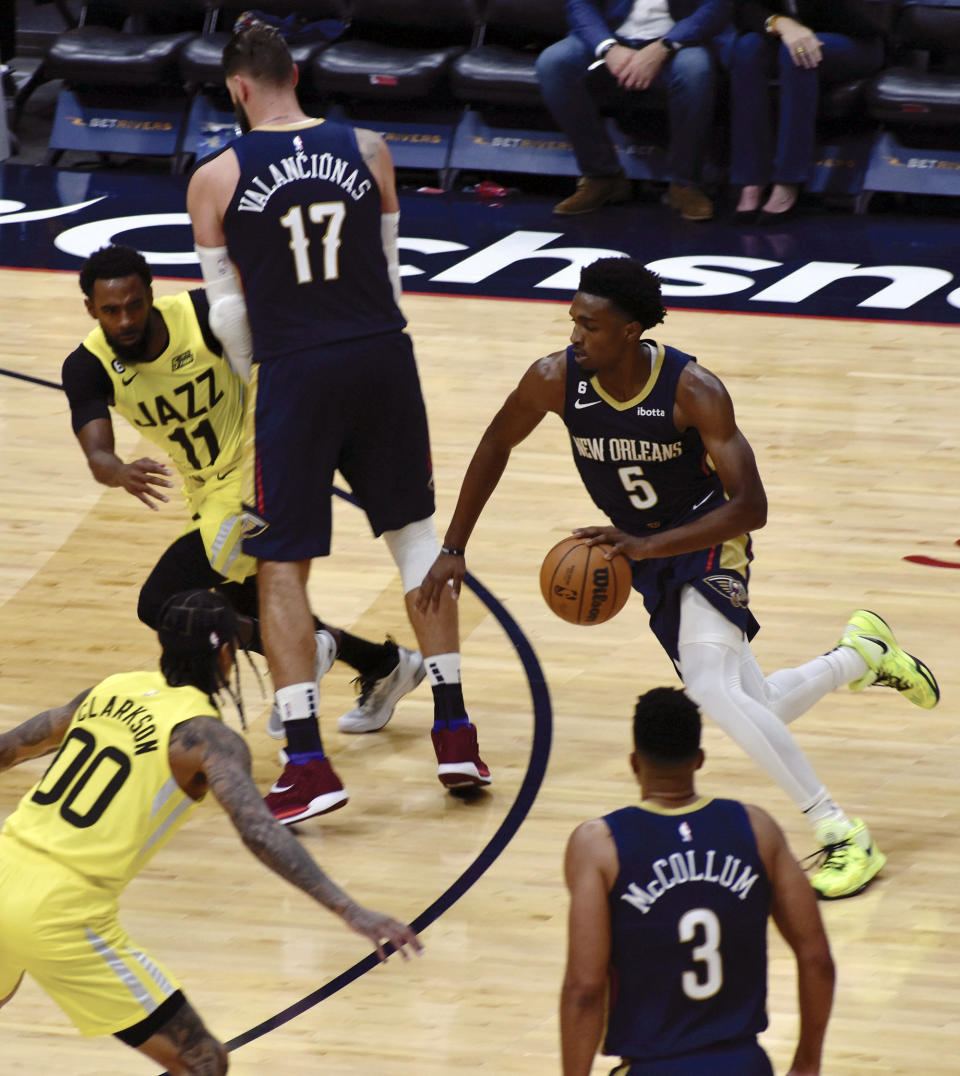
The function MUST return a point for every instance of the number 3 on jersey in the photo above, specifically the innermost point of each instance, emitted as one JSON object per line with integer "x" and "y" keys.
{"x": 331, "y": 212}
{"x": 707, "y": 953}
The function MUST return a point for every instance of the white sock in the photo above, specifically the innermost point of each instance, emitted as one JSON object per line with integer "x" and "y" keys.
{"x": 828, "y": 820}
{"x": 847, "y": 662}
{"x": 443, "y": 669}
{"x": 297, "y": 702}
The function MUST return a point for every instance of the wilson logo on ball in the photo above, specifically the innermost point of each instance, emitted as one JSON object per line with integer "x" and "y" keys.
{"x": 599, "y": 594}
{"x": 580, "y": 585}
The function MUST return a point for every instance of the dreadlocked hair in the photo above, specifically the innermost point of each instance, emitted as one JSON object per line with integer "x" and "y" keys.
{"x": 194, "y": 625}
{"x": 666, "y": 725}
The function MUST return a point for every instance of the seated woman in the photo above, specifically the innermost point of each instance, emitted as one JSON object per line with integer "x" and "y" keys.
{"x": 803, "y": 43}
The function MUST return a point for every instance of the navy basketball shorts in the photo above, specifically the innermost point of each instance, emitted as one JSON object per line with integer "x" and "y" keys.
{"x": 720, "y": 574}
{"x": 738, "y": 1059}
{"x": 356, "y": 407}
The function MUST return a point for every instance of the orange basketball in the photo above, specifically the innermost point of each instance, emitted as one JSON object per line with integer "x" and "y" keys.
{"x": 581, "y": 585}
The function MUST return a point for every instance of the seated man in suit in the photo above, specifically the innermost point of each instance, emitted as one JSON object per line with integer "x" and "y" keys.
{"x": 618, "y": 48}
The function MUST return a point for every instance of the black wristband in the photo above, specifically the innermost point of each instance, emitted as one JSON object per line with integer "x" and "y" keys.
{"x": 451, "y": 552}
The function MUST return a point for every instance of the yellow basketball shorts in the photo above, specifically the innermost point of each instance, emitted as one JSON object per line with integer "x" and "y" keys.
{"x": 217, "y": 512}
{"x": 64, "y": 933}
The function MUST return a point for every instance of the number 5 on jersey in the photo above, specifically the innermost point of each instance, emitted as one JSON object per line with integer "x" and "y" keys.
{"x": 635, "y": 485}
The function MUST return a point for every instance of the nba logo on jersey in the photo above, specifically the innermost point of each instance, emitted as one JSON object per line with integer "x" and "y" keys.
{"x": 686, "y": 833}
{"x": 298, "y": 143}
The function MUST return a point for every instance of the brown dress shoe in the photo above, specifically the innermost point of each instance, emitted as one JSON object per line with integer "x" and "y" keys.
{"x": 690, "y": 203}
{"x": 594, "y": 192}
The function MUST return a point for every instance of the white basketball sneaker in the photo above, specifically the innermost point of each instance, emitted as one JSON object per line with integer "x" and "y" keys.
{"x": 326, "y": 656}
{"x": 379, "y": 697}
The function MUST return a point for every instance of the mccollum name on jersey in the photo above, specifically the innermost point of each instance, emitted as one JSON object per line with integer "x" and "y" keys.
{"x": 682, "y": 867}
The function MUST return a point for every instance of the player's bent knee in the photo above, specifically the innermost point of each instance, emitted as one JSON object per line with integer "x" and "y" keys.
{"x": 414, "y": 548}
{"x": 176, "y": 1037}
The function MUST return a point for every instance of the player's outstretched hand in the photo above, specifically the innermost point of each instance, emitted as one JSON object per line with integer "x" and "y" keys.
{"x": 140, "y": 479}
{"x": 379, "y": 927}
{"x": 447, "y": 570}
{"x": 628, "y": 544}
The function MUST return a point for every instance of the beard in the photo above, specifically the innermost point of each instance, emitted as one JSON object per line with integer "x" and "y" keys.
{"x": 129, "y": 353}
{"x": 243, "y": 120}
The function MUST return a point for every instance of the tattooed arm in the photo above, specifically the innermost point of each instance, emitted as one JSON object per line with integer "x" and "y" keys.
{"x": 38, "y": 736}
{"x": 204, "y": 754}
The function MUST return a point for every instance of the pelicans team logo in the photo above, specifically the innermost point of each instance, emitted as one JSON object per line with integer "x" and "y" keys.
{"x": 733, "y": 589}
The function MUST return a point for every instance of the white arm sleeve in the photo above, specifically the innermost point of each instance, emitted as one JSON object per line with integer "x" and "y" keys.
{"x": 228, "y": 309}
{"x": 389, "y": 231}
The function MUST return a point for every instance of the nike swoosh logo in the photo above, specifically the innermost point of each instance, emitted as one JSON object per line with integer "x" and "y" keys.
{"x": 127, "y": 380}
{"x": 223, "y": 474}
{"x": 873, "y": 639}
{"x": 580, "y": 405}
{"x": 280, "y": 788}
{"x": 703, "y": 501}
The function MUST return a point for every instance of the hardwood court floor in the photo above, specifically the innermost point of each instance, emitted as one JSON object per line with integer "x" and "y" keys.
{"x": 855, "y": 427}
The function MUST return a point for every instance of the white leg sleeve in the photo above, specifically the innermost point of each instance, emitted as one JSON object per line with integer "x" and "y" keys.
{"x": 710, "y": 664}
{"x": 791, "y": 692}
{"x": 414, "y": 548}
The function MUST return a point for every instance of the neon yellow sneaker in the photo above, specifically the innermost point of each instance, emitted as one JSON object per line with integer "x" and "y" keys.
{"x": 887, "y": 664}
{"x": 849, "y": 864}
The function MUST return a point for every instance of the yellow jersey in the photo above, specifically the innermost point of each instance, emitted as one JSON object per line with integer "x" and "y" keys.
{"x": 108, "y": 801}
{"x": 187, "y": 401}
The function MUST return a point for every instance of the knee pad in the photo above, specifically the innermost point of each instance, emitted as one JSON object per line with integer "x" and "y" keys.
{"x": 414, "y": 548}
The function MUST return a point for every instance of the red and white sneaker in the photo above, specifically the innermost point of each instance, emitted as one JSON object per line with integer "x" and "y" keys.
{"x": 304, "y": 791}
{"x": 458, "y": 758}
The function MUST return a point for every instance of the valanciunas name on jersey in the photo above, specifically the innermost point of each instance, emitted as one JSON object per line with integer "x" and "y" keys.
{"x": 302, "y": 166}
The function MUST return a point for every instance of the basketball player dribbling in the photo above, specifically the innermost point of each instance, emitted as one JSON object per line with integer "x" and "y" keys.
{"x": 658, "y": 448}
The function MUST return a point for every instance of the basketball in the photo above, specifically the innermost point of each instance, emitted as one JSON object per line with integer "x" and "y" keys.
{"x": 580, "y": 585}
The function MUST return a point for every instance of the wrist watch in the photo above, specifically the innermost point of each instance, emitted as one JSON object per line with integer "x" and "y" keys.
{"x": 670, "y": 46}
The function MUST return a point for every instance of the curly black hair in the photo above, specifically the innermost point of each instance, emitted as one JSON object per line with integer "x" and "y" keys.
{"x": 113, "y": 263}
{"x": 666, "y": 725}
{"x": 633, "y": 289}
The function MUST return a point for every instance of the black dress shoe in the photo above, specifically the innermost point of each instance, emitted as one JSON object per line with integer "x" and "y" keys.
{"x": 746, "y": 216}
{"x": 766, "y": 219}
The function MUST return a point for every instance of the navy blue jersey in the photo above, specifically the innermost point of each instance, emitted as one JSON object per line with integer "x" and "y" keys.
{"x": 688, "y": 963}
{"x": 638, "y": 468}
{"x": 303, "y": 229}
